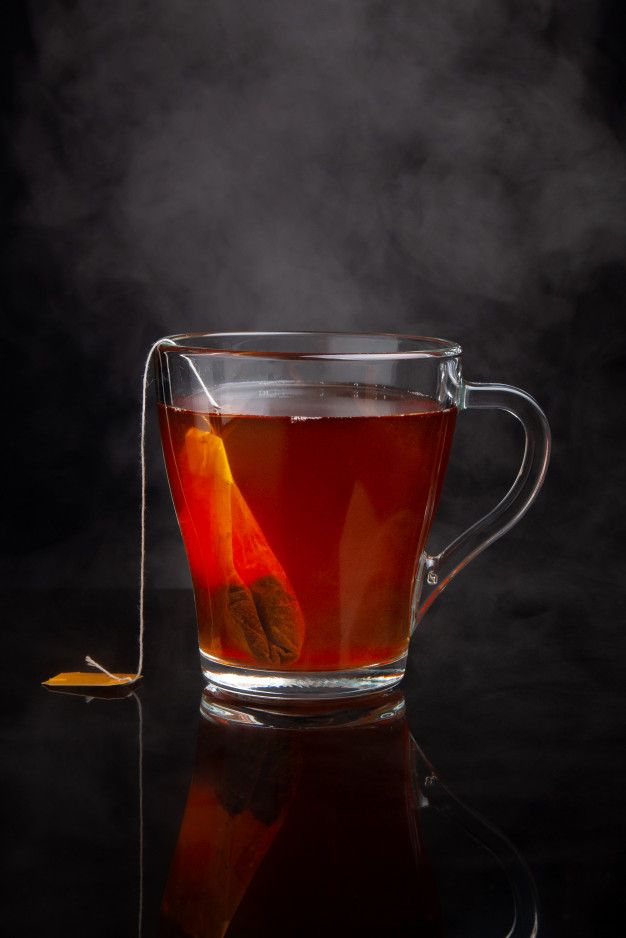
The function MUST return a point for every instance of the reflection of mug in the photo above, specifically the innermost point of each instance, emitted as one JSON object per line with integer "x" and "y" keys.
{"x": 305, "y": 470}
{"x": 326, "y": 820}
{"x": 300, "y": 828}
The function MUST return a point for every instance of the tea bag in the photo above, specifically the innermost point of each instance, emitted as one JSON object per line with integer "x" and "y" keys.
{"x": 251, "y": 595}
{"x": 263, "y": 616}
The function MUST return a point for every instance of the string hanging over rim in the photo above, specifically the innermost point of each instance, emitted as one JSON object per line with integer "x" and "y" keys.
{"x": 142, "y": 521}
{"x": 78, "y": 678}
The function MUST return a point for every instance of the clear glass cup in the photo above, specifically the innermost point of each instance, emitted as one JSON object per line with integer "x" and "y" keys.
{"x": 305, "y": 470}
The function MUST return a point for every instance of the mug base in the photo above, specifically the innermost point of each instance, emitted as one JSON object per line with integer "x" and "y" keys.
{"x": 302, "y": 685}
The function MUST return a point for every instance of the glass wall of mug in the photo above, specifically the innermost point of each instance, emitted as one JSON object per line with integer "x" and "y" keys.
{"x": 305, "y": 471}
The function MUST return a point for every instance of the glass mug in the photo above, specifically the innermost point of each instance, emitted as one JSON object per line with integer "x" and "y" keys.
{"x": 305, "y": 470}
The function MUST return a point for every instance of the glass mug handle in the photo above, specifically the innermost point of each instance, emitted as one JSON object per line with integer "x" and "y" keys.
{"x": 437, "y": 570}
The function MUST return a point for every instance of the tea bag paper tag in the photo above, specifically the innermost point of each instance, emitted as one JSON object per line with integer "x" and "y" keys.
{"x": 98, "y": 678}
{"x": 90, "y": 679}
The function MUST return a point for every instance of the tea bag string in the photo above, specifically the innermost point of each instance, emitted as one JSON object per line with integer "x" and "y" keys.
{"x": 142, "y": 524}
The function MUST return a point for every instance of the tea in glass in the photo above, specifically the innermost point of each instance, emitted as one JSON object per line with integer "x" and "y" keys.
{"x": 302, "y": 514}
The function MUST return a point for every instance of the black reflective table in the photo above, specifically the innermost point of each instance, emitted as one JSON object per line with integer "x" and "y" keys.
{"x": 493, "y": 778}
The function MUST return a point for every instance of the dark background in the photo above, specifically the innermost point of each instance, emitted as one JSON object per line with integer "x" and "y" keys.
{"x": 452, "y": 168}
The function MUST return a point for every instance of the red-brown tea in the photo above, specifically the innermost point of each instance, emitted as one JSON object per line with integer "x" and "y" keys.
{"x": 303, "y": 511}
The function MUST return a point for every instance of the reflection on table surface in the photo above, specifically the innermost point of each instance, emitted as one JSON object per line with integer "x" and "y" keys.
{"x": 533, "y": 741}
{"x": 325, "y": 818}
{"x": 309, "y": 821}
{"x": 299, "y": 821}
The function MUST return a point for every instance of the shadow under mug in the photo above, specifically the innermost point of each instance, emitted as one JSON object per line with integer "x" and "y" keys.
{"x": 306, "y": 469}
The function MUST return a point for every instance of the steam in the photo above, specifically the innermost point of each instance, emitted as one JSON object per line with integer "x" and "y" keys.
{"x": 435, "y": 167}
{"x": 295, "y": 164}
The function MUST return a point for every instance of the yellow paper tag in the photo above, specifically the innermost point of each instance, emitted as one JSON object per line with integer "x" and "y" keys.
{"x": 90, "y": 679}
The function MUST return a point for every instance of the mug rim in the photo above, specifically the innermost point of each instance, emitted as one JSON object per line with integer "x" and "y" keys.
{"x": 422, "y": 346}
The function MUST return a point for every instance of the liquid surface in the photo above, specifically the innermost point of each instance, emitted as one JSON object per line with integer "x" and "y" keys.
{"x": 303, "y": 511}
